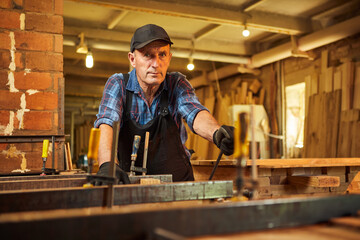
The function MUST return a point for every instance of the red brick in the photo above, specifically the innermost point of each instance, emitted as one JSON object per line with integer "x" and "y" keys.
{"x": 40, "y": 61}
{"x": 9, "y": 19}
{"x": 59, "y": 7}
{"x": 43, "y": 6}
{"x": 5, "y": 40}
{"x": 38, "y": 120}
{"x": 18, "y": 4}
{"x": 44, "y": 23}
{"x": 5, "y": 59}
{"x": 5, "y": 4}
{"x": 33, "y": 41}
{"x": 9, "y": 100}
{"x": 3, "y": 79}
{"x": 4, "y": 117}
{"x": 7, "y": 163}
{"x": 34, "y": 161}
{"x": 32, "y": 80}
{"x": 19, "y": 61}
{"x": 58, "y": 43}
{"x": 42, "y": 101}
{"x": 3, "y": 146}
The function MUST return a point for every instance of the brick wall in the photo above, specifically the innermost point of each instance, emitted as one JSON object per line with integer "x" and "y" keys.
{"x": 31, "y": 80}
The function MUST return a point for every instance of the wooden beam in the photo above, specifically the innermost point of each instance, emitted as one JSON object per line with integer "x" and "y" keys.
{"x": 315, "y": 181}
{"x": 210, "y": 13}
{"x": 288, "y": 163}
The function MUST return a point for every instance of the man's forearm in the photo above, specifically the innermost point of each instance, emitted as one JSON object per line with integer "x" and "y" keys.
{"x": 106, "y": 133}
{"x": 205, "y": 125}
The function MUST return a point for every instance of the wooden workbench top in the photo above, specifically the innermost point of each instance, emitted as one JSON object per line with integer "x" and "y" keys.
{"x": 286, "y": 163}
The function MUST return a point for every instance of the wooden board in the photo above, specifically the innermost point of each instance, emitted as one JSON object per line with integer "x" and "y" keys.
{"x": 347, "y": 85}
{"x": 315, "y": 181}
{"x": 356, "y": 100}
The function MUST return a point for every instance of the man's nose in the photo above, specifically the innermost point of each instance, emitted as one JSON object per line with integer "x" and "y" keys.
{"x": 155, "y": 61}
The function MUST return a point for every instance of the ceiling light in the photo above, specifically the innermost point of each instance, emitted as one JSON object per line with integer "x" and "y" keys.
{"x": 89, "y": 62}
{"x": 190, "y": 65}
{"x": 81, "y": 47}
{"x": 246, "y": 32}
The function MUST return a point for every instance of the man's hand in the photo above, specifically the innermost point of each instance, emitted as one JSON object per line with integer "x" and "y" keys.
{"x": 224, "y": 139}
{"x": 121, "y": 175}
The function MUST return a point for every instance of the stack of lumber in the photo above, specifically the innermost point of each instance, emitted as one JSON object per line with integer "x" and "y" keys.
{"x": 241, "y": 92}
{"x": 332, "y": 122}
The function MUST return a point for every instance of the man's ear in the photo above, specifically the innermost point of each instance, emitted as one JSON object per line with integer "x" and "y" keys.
{"x": 131, "y": 57}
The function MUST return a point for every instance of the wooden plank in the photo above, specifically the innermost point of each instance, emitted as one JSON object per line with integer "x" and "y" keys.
{"x": 314, "y": 84}
{"x": 324, "y": 60}
{"x": 337, "y": 79}
{"x": 332, "y": 120}
{"x": 329, "y": 81}
{"x": 255, "y": 86}
{"x": 355, "y": 143}
{"x": 347, "y": 85}
{"x": 262, "y": 96}
{"x": 353, "y": 222}
{"x": 356, "y": 100}
{"x": 42, "y": 184}
{"x": 315, "y": 181}
{"x": 243, "y": 93}
{"x": 287, "y": 163}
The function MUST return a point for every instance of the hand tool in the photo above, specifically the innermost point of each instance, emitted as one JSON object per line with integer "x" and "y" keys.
{"x": 44, "y": 155}
{"x": 135, "y": 148}
{"x": 92, "y": 151}
{"x": 216, "y": 165}
{"x": 241, "y": 151}
{"x": 146, "y": 147}
{"x": 110, "y": 191}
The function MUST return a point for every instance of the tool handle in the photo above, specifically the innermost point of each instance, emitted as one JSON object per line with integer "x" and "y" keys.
{"x": 45, "y": 148}
{"x": 136, "y": 144}
{"x": 94, "y": 144}
{"x": 240, "y": 136}
{"x": 146, "y": 147}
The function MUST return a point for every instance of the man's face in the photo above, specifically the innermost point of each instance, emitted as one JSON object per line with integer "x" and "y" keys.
{"x": 151, "y": 63}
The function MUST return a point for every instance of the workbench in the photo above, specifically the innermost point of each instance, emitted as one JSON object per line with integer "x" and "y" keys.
{"x": 288, "y": 177}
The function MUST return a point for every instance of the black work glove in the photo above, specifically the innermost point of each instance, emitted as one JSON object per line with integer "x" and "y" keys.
{"x": 121, "y": 175}
{"x": 224, "y": 139}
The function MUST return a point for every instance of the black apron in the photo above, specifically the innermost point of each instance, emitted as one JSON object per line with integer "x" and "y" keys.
{"x": 166, "y": 154}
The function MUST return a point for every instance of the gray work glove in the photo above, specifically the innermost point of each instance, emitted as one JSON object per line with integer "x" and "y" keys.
{"x": 224, "y": 139}
{"x": 121, "y": 175}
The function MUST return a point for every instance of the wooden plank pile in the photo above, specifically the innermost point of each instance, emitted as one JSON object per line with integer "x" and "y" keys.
{"x": 332, "y": 122}
{"x": 241, "y": 92}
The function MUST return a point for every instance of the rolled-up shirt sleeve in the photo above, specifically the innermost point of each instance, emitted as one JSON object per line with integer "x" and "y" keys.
{"x": 188, "y": 104}
{"x": 111, "y": 105}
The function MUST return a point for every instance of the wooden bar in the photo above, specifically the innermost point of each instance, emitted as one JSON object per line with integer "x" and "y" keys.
{"x": 287, "y": 163}
{"x": 315, "y": 181}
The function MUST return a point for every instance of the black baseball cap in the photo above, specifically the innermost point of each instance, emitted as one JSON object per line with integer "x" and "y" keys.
{"x": 147, "y": 34}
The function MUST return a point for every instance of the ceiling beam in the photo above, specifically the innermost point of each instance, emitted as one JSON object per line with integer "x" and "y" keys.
{"x": 117, "y": 19}
{"x": 264, "y": 21}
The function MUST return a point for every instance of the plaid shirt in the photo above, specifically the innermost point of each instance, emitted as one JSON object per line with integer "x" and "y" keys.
{"x": 183, "y": 103}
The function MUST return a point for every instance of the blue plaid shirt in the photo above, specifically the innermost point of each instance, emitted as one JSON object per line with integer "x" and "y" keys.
{"x": 183, "y": 103}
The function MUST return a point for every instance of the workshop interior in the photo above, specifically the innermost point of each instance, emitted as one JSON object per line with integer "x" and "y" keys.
{"x": 284, "y": 73}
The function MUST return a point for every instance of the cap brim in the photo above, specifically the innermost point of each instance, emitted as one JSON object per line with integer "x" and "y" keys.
{"x": 141, "y": 45}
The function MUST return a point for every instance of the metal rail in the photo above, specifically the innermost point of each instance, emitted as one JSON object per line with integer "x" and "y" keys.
{"x": 209, "y": 219}
{"x": 79, "y": 197}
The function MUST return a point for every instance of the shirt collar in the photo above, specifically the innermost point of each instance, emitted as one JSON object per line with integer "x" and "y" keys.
{"x": 134, "y": 86}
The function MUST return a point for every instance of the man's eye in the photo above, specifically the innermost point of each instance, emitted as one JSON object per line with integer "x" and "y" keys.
{"x": 162, "y": 54}
{"x": 147, "y": 54}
